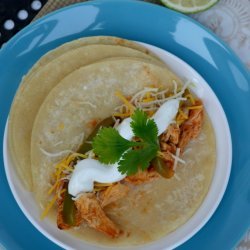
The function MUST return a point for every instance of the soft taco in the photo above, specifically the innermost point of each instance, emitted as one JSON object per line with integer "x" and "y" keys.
{"x": 123, "y": 147}
{"x": 45, "y": 75}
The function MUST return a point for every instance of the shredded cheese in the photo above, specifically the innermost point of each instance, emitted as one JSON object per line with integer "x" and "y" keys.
{"x": 160, "y": 94}
{"x": 53, "y": 188}
{"x": 117, "y": 122}
{"x": 195, "y": 107}
{"x": 90, "y": 154}
{"x": 122, "y": 115}
{"x": 151, "y": 113}
{"x": 67, "y": 167}
{"x": 62, "y": 171}
{"x": 148, "y": 99}
{"x": 183, "y": 114}
{"x": 191, "y": 98}
{"x": 50, "y": 205}
{"x": 143, "y": 92}
{"x": 60, "y": 192}
{"x": 126, "y": 102}
{"x": 177, "y": 158}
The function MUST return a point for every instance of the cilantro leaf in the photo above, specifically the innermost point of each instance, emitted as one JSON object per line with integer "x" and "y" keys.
{"x": 109, "y": 146}
{"x": 131, "y": 156}
{"x": 133, "y": 160}
{"x": 143, "y": 127}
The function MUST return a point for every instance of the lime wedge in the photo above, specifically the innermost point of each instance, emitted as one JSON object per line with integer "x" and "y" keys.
{"x": 189, "y": 6}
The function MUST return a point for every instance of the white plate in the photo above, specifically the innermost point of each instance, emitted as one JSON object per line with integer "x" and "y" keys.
{"x": 217, "y": 116}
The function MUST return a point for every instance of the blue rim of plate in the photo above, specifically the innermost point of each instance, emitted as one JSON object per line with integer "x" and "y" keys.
{"x": 166, "y": 29}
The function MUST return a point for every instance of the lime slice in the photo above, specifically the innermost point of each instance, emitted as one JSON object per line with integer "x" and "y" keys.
{"x": 189, "y": 6}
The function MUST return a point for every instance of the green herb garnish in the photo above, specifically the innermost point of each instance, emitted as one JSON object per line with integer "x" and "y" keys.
{"x": 131, "y": 156}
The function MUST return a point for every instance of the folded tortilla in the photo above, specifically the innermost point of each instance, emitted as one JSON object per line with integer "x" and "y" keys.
{"x": 149, "y": 211}
{"x": 50, "y": 116}
{"x": 34, "y": 88}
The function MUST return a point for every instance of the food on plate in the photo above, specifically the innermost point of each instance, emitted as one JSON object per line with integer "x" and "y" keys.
{"x": 46, "y": 73}
{"x": 84, "y": 95}
{"x": 106, "y": 95}
{"x": 120, "y": 151}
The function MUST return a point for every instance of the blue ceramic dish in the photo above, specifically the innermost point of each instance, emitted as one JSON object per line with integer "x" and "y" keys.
{"x": 166, "y": 29}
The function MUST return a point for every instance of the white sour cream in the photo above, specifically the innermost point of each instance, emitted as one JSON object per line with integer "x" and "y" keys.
{"x": 88, "y": 171}
{"x": 166, "y": 114}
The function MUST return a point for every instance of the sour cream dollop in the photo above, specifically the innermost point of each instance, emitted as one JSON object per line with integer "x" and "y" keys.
{"x": 88, "y": 171}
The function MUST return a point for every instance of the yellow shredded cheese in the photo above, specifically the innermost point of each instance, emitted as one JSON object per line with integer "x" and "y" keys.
{"x": 64, "y": 165}
{"x": 195, "y": 107}
{"x": 150, "y": 113}
{"x": 50, "y": 205}
{"x": 181, "y": 117}
{"x": 73, "y": 156}
{"x": 53, "y": 187}
{"x": 148, "y": 94}
{"x": 183, "y": 114}
{"x": 122, "y": 115}
{"x": 148, "y": 99}
{"x": 125, "y": 101}
{"x": 191, "y": 98}
{"x": 58, "y": 174}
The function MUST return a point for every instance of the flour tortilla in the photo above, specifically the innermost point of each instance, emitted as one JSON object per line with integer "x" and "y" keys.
{"x": 98, "y": 40}
{"x": 33, "y": 91}
{"x": 88, "y": 93}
